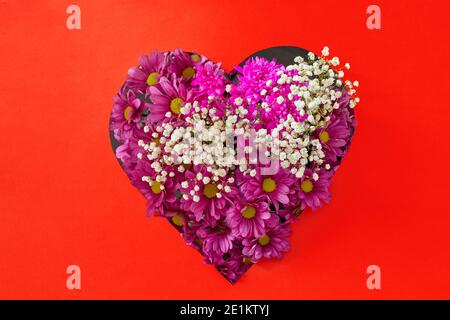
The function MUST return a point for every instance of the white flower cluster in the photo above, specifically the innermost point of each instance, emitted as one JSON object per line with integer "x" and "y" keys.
{"x": 205, "y": 139}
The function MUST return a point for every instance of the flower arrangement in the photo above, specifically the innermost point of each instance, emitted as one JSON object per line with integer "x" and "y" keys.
{"x": 232, "y": 161}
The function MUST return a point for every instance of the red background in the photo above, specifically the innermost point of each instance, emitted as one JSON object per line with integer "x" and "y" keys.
{"x": 64, "y": 199}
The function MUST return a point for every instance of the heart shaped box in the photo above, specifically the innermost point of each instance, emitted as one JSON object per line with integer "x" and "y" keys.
{"x": 253, "y": 223}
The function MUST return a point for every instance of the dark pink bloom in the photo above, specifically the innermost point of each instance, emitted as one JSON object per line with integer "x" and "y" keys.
{"x": 334, "y": 137}
{"x": 217, "y": 239}
{"x": 231, "y": 265}
{"x": 253, "y": 76}
{"x": 158, "y": 194}
{"x": 128, "y": 150}
{"x": 127, "y": 110}
{"x": 148, "y": 73}
{"x": 170, "y": 96}
{"x": 183, "y": 64}
{"x": 275, "y": 187}
{"x": 313, "y": 193}
{"x": 210, "y": 79}
{"x": 210, "y": 205}
{"x": 257, "y": 80}
{"x": 189, "y": 230}
{"x": 249, "y": 218}
{"x": 269, "y": 245}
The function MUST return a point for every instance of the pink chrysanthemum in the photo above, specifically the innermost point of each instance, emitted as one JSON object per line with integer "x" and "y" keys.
{"x": 253, "y": 77}
{"x": 232, "y": 265}
{"x": 148, "y": 73}
{"x": 333, "y": 138}
{"x": 190, "y": 228}
{"x": 275, "y": 187}
{"x": 217, "y": 239}
{"x": 249, "y": 218}
{"x": 158, "y": 194}
{"x": 127, "y": 110}
{"x": 170, "y": 96}
{"x": 314, "y": 192}
{"x": 210, "y": 79}
{"x": 269, "y": 245}
{"x": 208, "y": 201}
{"x": 127, "y": 152}
{"x": 183, "y": 64}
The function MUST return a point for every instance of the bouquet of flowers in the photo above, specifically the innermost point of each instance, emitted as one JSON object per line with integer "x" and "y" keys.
{"x": 231, "y": 161}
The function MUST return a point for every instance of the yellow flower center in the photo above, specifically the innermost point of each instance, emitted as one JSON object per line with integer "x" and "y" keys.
{"x": 178, "y": 219}
{"x": 307, "y": 185}
{"x": 157, "y": 142}
{"x": 195, "y": 57}
{"x": 188, "y": 73}
{"x": 324, "y": 136}
{"x": 269, "y": 185}
{"x": 210, "y": 190}
{"x": 264, "y": 240}
{"x": 175, "y": 105}
{"x": 127, "y": 112}
{"x": 152, "y": 78}
{"x": 156, "y": 187}
{"x": 249, "y": 212}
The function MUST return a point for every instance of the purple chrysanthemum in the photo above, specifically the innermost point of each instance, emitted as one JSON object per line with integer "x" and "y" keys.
{"x": 249, "y": 218}
{"x": 333, "y": 138}
{"x": 158, "y": 194}
{"x": 170, "y": 96}
{"x": 314, "y": 192}
{"x": 232, "y": 265}
{"x": 217, "y": 239}
{"x": 210, "y": 79}
{"x": 148, "y": 73}
{"x": 269, "y": 245}
{"x": 253, "y": 77}
{"x": 276, "y": 187}
{"x": 182, "y": 64}
{"x": 127, "y": 110}
{"x": 206, "y": 200}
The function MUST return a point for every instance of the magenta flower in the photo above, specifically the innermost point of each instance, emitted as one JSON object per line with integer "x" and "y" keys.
{"x": 206, "y": 200}
{"x": 249, "y": 218}
{"x": 231, "y": 265}
{"x": 314, "y": 192}
{"x": 275, "y": 187}
{"x": 170, "y": 96}
{"x": 183, "y": 64}
{"x": 269, "y": 245}
{"x": 182, "y": 220}
{"x": 290, "y": 213}
{"x": 158, "y": 194}
{"x": 189, "y": 230}
{"x": 217, "y": 239}
{"x": 253, "y": 77}
{"x": 344, "y": 112}
{"x": 127, "y": 111}
{"x": 333, "y": 138}
{"x": 210, "y": 79}
{"x": 148, "y": 73}
{"x": 128, "y": 150}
